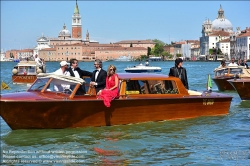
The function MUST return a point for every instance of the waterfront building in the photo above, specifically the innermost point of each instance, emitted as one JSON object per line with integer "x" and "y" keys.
{"x": 116, "y": 52}
{"x": 42, "y": 43}
{"x": 213, "y": 32}
{"x": 243, "y": 44}
{"x": 224, "y": 46}
{"x": 3, "y": 58}
{"x": 136, "y": 43}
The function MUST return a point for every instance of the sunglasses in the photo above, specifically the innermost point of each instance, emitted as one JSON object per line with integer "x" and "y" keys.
{"x": 95, "y": 64}
{"x": 111, "y": 69}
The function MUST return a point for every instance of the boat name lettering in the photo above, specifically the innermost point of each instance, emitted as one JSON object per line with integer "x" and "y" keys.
{"x": 26, "y": 77}
{"x": 208, "y": 101}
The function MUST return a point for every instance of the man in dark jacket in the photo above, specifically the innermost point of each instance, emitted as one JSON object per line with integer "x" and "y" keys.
{"x": 98, "y": 79}
{"x": 179, "y": 71}
{"x": 75, "y": 71}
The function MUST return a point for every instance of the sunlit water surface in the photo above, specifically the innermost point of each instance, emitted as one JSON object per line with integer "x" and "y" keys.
{"x": 220, "y": 140}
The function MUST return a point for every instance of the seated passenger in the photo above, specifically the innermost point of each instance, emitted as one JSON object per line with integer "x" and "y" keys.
{"x": 233, "y": 63}
{"x": 244, "y": 63}
{"x": 222, "y": 64}
{"x": 110, "y": 92}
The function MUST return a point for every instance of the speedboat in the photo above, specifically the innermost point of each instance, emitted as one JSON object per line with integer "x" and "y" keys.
{"x": 25, "y": 72}
{"x": 143, "y": 97}
{"x": 142, "y": 69}
{"x": 242, "y": 85}
{"x": 221, "y": 75}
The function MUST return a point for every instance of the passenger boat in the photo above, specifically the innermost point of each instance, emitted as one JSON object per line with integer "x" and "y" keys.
{"x": 143, "y": 97}
{"x": 242, "y": 85}
{"x": 142, "y": 69}
{"x": 221, "y": 75}
{"x": 25, "y": 72}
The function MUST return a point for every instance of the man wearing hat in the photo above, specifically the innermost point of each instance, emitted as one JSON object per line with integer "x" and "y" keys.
{"x": 62, "y": 71}
{"x": 63, "y": 68}
{"x": 179, "y": 71}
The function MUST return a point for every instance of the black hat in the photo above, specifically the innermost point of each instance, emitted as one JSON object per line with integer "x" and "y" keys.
{"x": 178, "y": 60}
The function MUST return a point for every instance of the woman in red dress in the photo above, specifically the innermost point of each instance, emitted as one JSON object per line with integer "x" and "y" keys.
{"x": 112, "y": 84}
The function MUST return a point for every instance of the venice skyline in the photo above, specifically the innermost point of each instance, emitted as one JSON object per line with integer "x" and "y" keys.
{"x": 113, "y": 21}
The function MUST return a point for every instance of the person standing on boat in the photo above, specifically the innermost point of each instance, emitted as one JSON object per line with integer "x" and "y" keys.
{"x": 112, "y": 84}
{"x": 75, "y": 71}
{"x": 39, "y": 62}
{"x": 232, "y": 62}
{"x": 179, "y": 71}
{"x": 98, "y": 79}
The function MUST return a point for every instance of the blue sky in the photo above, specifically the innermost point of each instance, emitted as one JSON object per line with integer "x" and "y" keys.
{"x": 22, "y": 22}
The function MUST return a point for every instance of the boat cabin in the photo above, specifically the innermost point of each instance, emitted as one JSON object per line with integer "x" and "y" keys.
{"x": 130, "y": 84}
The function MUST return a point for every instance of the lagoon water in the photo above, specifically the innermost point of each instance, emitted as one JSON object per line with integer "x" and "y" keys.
{"x": 218, "y": 140}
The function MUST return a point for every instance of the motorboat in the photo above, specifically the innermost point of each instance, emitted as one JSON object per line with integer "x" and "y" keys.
{"x": 143, "y": 97}
{"x": 242, "y": 85}
{"x": 142, "y": 69}
{"x": 221, "y": 75}
{"x": 25, "y": 72}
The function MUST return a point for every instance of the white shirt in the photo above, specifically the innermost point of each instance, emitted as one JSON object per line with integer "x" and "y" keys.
{"x": 60, "y": 72}
{"x": 75, "y": 73}
{"x": 232, "y": 64}
{"x": 60, "y": 87}
{"x": 96, "y": 73}
{"x": 38, "y": 62}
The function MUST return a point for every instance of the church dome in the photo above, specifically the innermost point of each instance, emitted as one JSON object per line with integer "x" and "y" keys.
{"x": 221, "y": 23}
{"x": 64, "y": 32}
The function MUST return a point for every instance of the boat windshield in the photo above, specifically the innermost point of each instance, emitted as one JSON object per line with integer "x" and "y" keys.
{"x": 224, "y": 71}
{"x": 151, "y": 87}
{"x": 56, "y": 85}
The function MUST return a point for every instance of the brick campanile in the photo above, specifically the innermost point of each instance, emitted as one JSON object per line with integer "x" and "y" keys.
{"x": 76, "y": 23}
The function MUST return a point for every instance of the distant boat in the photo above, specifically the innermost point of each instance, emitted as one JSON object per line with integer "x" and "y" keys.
{"x": 142, "y": 69}
{"x": 221, "y": 75}
{"x": 124, "y": 58}
{"x": 25, "y": 72}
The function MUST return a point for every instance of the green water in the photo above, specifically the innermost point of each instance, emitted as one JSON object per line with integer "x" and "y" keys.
{"x": 218, "y": 140}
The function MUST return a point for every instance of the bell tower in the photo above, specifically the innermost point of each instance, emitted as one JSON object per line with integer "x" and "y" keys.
{"x": 76, "y": 23}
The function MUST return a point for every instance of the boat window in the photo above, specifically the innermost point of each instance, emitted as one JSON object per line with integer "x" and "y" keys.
{"x": 31, "y": 70}
{"x": 55, "y": 85}
{"x": 39, "y": 84}
{"x": 235, "y": 70}
{"x": 151, "y": 87}
{"x": 21, "y": 69}
{"x": 221, "y": 72}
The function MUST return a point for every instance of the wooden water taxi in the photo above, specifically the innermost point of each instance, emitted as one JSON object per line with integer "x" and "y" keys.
{"x": 242, "y": 85}
{"x": 143, "y": 97}
{"x": 221, "y": 75}
{"x": 25, "y": 72}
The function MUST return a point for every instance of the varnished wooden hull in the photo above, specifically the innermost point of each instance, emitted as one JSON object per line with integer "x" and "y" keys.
{"x": 223, "y": 84}
{"x": 242, "y": 86}
{"x": 42, "y": 113}
{"x": 23, "y": 79}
